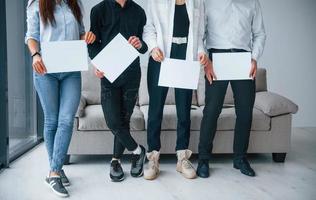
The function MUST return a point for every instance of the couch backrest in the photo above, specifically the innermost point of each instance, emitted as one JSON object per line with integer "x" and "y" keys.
{"x": 91, "y": 89}
{"x": 261, "y": 85}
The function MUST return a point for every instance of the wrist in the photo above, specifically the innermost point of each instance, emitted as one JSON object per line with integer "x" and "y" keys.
{"x": 36, "y": 54}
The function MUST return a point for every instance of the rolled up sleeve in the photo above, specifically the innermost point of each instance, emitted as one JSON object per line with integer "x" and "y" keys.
{"x": 150, "y": 33}
{"x": 258, "y": 31}
{"x": 33, "y": 22}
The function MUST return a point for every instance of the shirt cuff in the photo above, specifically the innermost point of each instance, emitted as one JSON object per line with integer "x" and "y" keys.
{"x": 27, "y": 38}
{"x": 255, "y": 56}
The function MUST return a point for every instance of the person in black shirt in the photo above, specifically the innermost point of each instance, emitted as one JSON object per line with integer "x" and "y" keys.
{"x": 118, "y": 99}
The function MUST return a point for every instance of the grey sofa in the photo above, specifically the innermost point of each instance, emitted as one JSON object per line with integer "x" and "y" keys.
{"x": 271, "y": 128}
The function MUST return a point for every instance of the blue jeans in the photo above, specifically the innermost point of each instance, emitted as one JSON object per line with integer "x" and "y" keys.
{"x": 59, "y": 95}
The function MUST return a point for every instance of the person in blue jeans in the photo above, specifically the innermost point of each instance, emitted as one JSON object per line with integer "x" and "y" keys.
{"x": 59, "y": 93}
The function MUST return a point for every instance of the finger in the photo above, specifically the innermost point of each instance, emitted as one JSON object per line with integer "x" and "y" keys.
{"x": 35, "y": 67}
{"x": 214, "y": 75}
{"x": 251, "y": 71}
{"x": 39, "y": 69}
{"x": 209, "y": 78}
{"x": 135, "y": 39}
{"x": 138, "y": 46}
{"x": 254, "y": 74}
{"x": 130, "y": 39}
{"x": 93, "y": 38}
{"x": 42, "y": 66}
{"x": 90, "y": 38}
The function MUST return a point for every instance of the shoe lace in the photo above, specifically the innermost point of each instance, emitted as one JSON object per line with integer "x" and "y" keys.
{"x": 115, "y": 165}
{"x": 187, "y": 164}
{"x": 135, "y": 158}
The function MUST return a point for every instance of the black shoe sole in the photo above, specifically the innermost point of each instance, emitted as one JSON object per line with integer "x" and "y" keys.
{"x": 238, "y": 168}
{"x": 202, "y": 176}
{"x": 116, "y": 180}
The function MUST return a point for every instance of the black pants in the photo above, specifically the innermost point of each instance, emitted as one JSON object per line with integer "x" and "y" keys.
{"x": 244, "y": 96}
{"x": 157, "y": 98}
{"x": 118, "y": 101}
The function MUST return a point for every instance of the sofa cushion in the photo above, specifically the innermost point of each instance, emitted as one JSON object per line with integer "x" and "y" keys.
{"x": 226, "y": 121}
{"x": 91, "y": 87}
{"x": 273, "y": 104}
{"x": 143, "y": 92}
{"x": 93, "y": 119}
{"x": 261, "y": 85}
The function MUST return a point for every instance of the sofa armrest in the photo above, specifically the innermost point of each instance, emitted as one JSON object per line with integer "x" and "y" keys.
{"x": 273, "y": 104}
{"x": 81, "y": 107}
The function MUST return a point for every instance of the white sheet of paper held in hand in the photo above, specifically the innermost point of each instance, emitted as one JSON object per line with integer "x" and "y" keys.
{"x": 232, "y": 66}
{"x": 115, "y": 58}
{"x": 65, "y": 56}
{"x": 179, "y": 74}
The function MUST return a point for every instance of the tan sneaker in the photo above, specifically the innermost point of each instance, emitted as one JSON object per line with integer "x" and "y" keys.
{"x": 151, "y": 171}
{"x": 184, "y": 166}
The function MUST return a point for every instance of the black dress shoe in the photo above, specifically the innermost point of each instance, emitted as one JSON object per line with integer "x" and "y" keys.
{"x": 243, "y": 165}
{"x": 203, "y": 169}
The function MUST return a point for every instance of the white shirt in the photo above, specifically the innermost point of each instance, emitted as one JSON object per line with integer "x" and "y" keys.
{"x": 158, "y": 31}
{"x": 235, "y": 24}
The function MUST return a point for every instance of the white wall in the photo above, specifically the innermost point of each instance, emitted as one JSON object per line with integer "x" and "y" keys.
{"x": 289, "y": 53}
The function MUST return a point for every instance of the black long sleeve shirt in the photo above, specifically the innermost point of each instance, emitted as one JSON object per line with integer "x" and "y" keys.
{"x": 108, "y": 19}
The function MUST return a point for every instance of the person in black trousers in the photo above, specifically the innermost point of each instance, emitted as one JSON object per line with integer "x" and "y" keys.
{"x": 178, "y": 36}
{"x": 245, "y": 33}
{"x": 118, "y": 99}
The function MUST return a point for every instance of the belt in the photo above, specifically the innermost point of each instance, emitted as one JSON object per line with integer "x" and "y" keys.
{"x": 226, "y": 50}
{"x": 179, "y": 40}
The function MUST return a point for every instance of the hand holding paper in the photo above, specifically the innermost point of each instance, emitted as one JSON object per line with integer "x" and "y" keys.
{"x": 115, "y": 58}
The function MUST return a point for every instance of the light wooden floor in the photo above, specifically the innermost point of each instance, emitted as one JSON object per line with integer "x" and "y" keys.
{"x": 294, "y": 180}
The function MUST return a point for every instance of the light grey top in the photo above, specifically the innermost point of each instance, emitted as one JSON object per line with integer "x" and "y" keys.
{"x": 235, "y": 24}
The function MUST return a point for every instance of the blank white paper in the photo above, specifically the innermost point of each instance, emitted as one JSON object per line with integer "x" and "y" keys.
{"x": 232, "y": 66}
{"x": 115, "y": 58}
{"x": 182, "y": 74}
{"x": 65, "y": 56}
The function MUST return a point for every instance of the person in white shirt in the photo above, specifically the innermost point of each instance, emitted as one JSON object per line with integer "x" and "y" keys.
{"x": 174, "y": 29}
{"x": 231, "y": 26}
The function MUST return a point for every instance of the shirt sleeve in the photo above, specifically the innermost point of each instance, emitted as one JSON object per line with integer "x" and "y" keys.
{"x": 150, "y": 33}
{"x": 202, "y": 27}
{"x": 140, "y": 33}
{"x": 258, "y": 33}
{"x": 95, "y": 48}
{"x": 33, "y": 21}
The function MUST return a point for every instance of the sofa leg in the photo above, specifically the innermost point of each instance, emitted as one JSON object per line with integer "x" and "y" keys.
{"x": 279, "y": 157}
{"x": 67, "y": 160}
